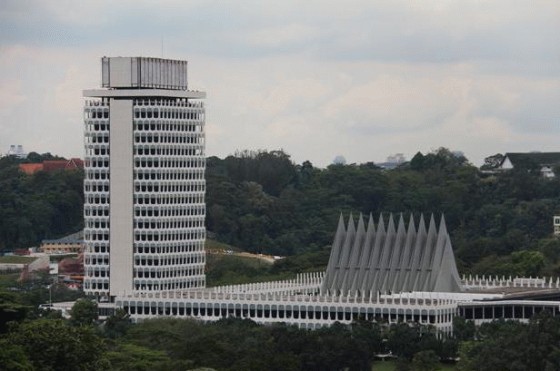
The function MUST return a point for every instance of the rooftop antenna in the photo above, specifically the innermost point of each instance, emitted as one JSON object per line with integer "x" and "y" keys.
{"x": 162, "y": 47}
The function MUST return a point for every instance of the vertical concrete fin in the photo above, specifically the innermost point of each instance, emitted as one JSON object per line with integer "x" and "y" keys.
{"x": 408, "y": 252}
{"x": 427, "y": 254}
{"x": 366, "y": 255}
{"x": 354, "y": 256}
{"x": 447, "y": 278}
{"x": 437, "y": 255}
{"x": 339, "y": 237}
{"x": 394, "y": 255}
{"x": 383, "y": 266}
{"x": 336, "y": 284}
{"x": 368, "y": 281}
{"x": 418, "y": 251}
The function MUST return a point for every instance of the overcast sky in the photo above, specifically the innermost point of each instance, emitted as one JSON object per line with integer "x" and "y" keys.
{"x": 362, "y": 79}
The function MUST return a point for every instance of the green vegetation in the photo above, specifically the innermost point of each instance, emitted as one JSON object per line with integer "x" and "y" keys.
{"x": 499, "y": 224}
{"x": 223, "y": 269}
{"x": 33, "y": 339}
{"x": 14, "y": 259}
{"x": 262, "y": 202}
{"x": 40, "y": 206}
{"x": 211, "y": 244}
{"x": 397, "y": 365}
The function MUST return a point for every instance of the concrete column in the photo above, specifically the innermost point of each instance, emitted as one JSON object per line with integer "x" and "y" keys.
{"x": 121, "y": 237}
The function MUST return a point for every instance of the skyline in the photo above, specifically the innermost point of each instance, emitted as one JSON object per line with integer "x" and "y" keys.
{"x": 320, "y": 79}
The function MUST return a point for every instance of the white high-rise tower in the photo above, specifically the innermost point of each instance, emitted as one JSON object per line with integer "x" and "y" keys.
{"x": 144, "y": 181}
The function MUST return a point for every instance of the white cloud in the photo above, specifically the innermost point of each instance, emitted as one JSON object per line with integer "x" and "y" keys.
{"x": 317, "y": 78}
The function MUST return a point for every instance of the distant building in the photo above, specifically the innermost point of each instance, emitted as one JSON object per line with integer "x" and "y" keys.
{"x": 17, "y": 151}
{"x": 52, "y": 165}
{"x": 339, "y": 160}
{"x": 392, "y": 161}
{"x": 71, "y": 244}
{"x": 545, "y": 161}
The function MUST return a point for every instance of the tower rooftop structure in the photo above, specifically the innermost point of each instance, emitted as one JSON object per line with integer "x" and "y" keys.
{"x": 143, "y": 77}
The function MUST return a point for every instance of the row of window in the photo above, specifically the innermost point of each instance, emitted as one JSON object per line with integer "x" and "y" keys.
{"x": 161, "y": 261}
{"x": 168, "y": 102}
{"x": 163, "y": 174}
{"x": 169, "y": 113}
{"x": 163, "y": 162}
{"x": 186, "y": 210}
{"x": 96, "y": 162}
{"x": 159, "y": 125}
{"x": 158, "y": 224}
{"x": 97, "y": 224}
{"x": 99, "y": 236}
{"x": 152, "y": 150}
{"x": 99, "y": 174}
{"x": 159, "y": 286}
{"x": 96, "y": 187}
{"x": 175, "y": 187}
{"x": 96, "y": 113}
{"x": 97, "y": 199}
{"x": 98, "y": 151}
{"x": 95, "y": 260}
{"x": 162, "y": 248}
{"x": 92, "y": 150}
{"x": 96, "y": 126}
{"x": 96, "y": 139}
{"x": 155, "y": 138}
{"x": 177, "y": 236}
{"x": 91, "y": 210}
{"x": 96, "y": 286}
{"x": 160, "y": 199}
{"x": 168, "y": 273}
{"x": 142, "y": 174}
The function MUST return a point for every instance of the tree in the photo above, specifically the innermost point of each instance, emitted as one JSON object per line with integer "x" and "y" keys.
{"x": 403, "y": 340}
{"x": 11, "y": 309}
{"x": 53, "y": 345}
{"x": 84, "y": 312}
{"x": 13, "y": 357}
{"x": 130, "y": 357}
{"x": 117, "y": 324}
{"x": 463, "y": 330}
{"x": 426, "y": 360}
{"x": 492, "y": 162}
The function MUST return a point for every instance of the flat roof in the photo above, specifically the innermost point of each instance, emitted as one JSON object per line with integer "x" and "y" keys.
{"x": 142, "y": 93}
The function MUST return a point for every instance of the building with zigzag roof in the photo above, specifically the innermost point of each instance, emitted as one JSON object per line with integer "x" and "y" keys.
{"x": 144, "y": 230}
{"x": 367, "y": 259}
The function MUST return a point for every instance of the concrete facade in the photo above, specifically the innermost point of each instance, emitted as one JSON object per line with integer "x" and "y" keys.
{"x": 144, "y": 180}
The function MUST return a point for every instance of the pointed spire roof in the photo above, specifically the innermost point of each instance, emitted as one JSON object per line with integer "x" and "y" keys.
{"x": 383, "y": 258}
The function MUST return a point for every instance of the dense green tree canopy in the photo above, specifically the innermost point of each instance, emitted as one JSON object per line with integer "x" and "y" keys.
{"x": 492, "y": 219}
{"x": 44, "y": 205}
{"x": 262, "y": 202}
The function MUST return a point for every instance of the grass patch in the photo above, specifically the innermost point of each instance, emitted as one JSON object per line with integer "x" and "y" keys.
{"x": 14, "y": 259}
{"x": 9, "y": 280}
{"x": 225, "y": 269}
{"x": 233, "y": 270}
{"x": 216, "y": 245}
{"x": 392, "y": 366}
